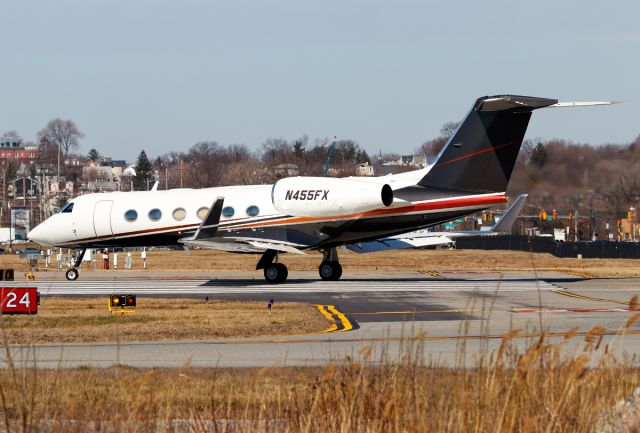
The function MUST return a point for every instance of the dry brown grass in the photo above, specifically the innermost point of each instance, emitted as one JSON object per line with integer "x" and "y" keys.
{"x": 533, "y": 391}
{"x": 87, "y": 320}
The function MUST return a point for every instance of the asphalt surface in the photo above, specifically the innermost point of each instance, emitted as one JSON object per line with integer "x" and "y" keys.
{"x": 451, "y": 316}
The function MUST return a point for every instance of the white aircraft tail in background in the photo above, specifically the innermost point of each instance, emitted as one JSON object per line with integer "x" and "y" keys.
{"x": 426, "y": 239}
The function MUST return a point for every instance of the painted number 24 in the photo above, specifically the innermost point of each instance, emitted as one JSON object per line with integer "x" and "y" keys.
{"x": 12, "y": 297}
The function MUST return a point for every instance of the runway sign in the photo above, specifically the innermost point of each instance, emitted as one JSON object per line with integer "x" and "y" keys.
{"x": 19, "y": 300}
{"x": 122, "y": 303}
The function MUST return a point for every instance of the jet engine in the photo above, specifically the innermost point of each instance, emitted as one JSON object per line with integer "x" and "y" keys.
{"x": 328, "y": 196}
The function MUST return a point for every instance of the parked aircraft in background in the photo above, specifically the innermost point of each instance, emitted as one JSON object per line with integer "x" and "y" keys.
{"x": 425, "y": 239}
{"x": 296, "y": 214}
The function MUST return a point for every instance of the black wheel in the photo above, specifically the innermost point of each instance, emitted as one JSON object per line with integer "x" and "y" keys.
{"x": 276, "y": 273}
{"x": 338, "y": 271}
{"x": 72, "y": 274}
{"x": 284, "y": 272}
{"x": 330, "y": 271}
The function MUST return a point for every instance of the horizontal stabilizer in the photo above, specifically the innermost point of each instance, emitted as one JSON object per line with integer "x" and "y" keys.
{"x": 582, "y": 104}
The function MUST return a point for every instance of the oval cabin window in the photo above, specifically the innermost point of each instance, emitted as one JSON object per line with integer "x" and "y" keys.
{"x": 179, "y": 214}
{"x": 131, "y": 215}
{"x": 202, "y": 212}
{"x": 228, "y": 212}
{"x": 155, "y": 214}
{"x": 253, "y": 211}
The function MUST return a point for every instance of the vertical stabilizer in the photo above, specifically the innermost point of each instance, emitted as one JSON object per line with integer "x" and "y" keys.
{"x": 480, "y": 155}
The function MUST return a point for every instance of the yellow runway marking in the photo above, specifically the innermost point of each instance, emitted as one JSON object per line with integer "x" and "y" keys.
{"x": 339, "y": 322}
{"x": 426, "y": 338}
{"x": 588, "y": 298}
{"x": 413, "y": 312}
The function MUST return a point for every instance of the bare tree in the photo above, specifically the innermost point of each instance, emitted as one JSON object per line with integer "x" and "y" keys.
{"x": 62, "y": 133}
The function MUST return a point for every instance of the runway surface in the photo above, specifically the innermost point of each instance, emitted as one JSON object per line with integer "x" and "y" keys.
{"x": 443, "y": 312}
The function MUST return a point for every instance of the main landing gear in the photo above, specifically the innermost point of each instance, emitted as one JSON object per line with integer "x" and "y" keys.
{"x": 275, "y": 272}
{"x": 330, "y": 269}
{"x": 73, "y": 273}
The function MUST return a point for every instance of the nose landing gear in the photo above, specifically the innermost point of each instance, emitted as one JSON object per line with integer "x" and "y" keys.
{"x": 73, "y": 273}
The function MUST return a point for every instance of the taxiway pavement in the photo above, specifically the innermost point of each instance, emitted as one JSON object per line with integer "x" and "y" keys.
{"x": 446, "y": 314}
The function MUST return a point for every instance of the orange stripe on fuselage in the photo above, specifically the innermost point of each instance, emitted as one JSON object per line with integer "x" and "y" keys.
{"x": 426, "y": 206}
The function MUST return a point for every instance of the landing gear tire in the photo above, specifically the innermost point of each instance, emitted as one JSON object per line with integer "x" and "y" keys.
{"x": 330, "y": 271}
{"x": 276, "y": 273}
{"x": 72, "y": 274}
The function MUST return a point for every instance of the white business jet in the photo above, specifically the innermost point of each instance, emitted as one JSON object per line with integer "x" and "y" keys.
{"x": 297, "y": 214}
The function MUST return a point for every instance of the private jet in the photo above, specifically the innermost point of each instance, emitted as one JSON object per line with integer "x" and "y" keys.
{"x": 299, "y": 214}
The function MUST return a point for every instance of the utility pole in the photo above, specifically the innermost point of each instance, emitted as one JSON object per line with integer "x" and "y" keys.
{"x": 166, "y": 177}
{"x": 181, "y": 172}
{"x": 58, "y": 177}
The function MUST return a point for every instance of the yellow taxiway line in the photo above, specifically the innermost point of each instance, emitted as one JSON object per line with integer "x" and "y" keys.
{"x": 588, "y": 298}
{"x": 339, "y": 321}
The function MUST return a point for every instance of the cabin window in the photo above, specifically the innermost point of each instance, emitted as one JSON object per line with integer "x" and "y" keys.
{"x": 155, "y": 214}
{"x": 131, "y": 215}
{"x": 202, "y": 212}
{"x": 228, "y": 212}
{"x": 179, "y": 214}
{"x": 253, "y": 211}
{"x": 67, "y": 209}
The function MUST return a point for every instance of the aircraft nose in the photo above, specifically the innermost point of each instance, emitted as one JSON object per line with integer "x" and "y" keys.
{"x": 38, "y": 234}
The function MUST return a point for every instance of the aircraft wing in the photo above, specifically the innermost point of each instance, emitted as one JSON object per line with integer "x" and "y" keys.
{"x": 386, "y": 244}
{"x": 242, "y": 245}
{"x": 207, "y": 237}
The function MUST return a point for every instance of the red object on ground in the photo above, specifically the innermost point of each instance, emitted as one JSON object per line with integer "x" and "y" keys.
{"x": 19, "y": 300}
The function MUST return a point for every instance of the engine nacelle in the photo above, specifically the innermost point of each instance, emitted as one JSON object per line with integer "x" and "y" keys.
{"x": 328, "y": 196}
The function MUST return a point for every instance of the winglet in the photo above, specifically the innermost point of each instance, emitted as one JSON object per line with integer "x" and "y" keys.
{"x": 209, "y": 225}
{"x": 507, "y": 220}
{"x": 155, "y": 186}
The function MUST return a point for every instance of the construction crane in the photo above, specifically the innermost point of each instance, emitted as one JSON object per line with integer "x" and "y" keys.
{"x": 332, "y": 149}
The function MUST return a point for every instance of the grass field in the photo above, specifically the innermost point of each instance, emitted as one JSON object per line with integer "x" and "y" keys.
{"x": 418, "y": 260}
{"x": 532, "y": 391}
{"x": 72, "y": 320}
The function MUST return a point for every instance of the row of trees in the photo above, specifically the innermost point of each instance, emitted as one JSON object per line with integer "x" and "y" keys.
{"x": 567, "y": 176}
{"x": 209, "y": 163}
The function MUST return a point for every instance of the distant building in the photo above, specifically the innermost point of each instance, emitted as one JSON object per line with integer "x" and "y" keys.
{"x": 13, "y": 148}
{"x": 364, "y": 169}
{"x": 121, "y": 163}
{"x": 286, "y": 170}
{"x": 409, "y": 161}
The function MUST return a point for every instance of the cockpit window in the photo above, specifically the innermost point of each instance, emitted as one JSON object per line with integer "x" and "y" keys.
{"x": 68, "y": 208}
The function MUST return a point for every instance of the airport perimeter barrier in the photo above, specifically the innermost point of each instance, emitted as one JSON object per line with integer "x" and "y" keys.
{"x": 536, "y": 244}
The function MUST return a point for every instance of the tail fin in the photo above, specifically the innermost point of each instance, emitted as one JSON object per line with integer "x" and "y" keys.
{"x": 509, "y": 217}
{"x": 480, "y": 155}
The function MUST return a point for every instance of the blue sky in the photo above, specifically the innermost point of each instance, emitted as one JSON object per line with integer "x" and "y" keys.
{"x": 161, "y": 75}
